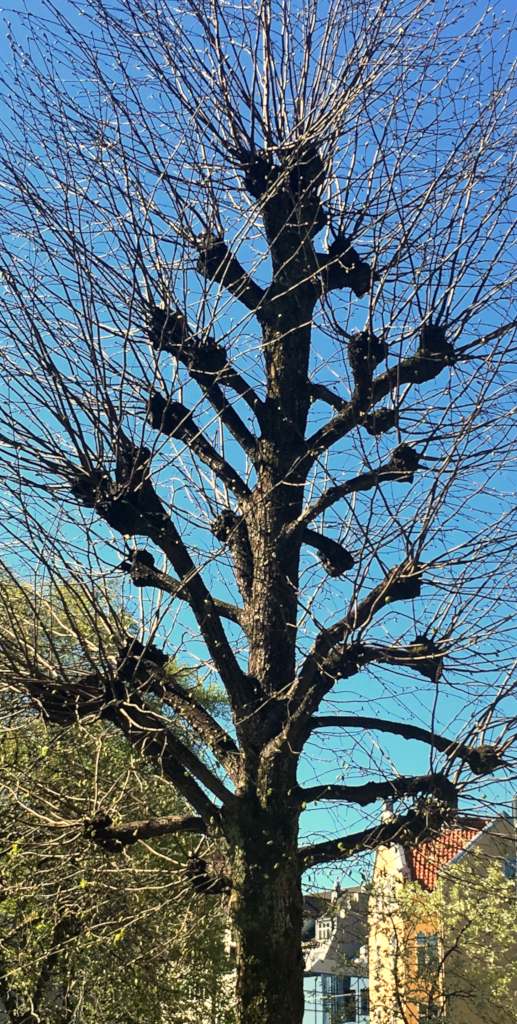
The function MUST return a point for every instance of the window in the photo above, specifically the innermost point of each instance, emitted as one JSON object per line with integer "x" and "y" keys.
{"x": 428, "y": 1013}
{"x": 338, "y": 1001}
{"x": 324, "y": 929}
{"x": 345, "y": 1009}
{"x": 427, "y": 953}
{"x": 365, "y": 1003}
{"x": 510, "y": 868}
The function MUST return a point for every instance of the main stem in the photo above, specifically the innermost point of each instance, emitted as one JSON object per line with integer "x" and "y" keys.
{"x": 262, "y": 828}
{"x": 267, "y": 914}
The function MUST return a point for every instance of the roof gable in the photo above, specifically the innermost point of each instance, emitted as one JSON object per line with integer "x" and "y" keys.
{"x": 427, "y": 858}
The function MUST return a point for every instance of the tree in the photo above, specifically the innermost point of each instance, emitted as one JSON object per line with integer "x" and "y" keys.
{"x": 80, "y": 936}
{"x": 256, "y": 332}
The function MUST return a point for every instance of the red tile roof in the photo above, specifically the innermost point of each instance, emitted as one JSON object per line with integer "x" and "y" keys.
{"x": 426, "y": 859}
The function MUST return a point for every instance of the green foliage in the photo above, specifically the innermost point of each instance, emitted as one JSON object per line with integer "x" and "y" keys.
{"x": 473, "y": 912}
{"x": 86, "y": 934}
{"x": 115, "y": 937}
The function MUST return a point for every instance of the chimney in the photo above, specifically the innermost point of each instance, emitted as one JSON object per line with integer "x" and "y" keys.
{"x": 336, "y": 893}
{"x": 387, "y": 815}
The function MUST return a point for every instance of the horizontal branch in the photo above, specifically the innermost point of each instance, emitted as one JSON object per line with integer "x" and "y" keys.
{"x": 416, "y": 369}
{"x": 422, "y": 656}
{"x": 422, "y": 822}
{"x": 335, "y": 558}
{"x": 481, "y": 760}
{"x": 401, "y": 466}
{"x": 140, "y": 565}
{"x": 101, "y": 830}
{"x": 434, "y": 784}
{"x": 342, "y": 267}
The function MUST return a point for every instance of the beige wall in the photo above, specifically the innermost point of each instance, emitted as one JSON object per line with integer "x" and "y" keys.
{"x": 395, "y": 988}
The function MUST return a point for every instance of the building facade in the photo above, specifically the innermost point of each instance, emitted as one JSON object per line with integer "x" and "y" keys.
{"x": 415, "y": 975}
{"x": 335, "y": 936}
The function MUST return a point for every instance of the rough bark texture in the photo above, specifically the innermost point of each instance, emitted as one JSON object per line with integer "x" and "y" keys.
{"x": 266, "y": 909}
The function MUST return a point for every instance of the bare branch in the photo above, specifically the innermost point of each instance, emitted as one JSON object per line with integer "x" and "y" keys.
{"x": 481, "y": 760}
{"x": 401, "y": 466}
{"x": 407, "y": 829}
{"x": 114, "y": 838}
{"x": 434, "y": 784}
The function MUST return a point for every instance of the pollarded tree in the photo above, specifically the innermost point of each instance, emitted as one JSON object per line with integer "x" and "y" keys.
{"x": 255, "y": 321}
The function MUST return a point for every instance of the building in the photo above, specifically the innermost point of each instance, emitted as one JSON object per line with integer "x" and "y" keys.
{"x": 335, "y": 938}
{"x": 413, "y": 977}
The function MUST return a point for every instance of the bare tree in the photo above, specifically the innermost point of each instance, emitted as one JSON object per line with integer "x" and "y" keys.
{"x": 255, "y": 323}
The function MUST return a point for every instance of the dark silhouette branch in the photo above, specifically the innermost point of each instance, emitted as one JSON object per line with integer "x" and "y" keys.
{"x": 140, "y": 565}
{"x": 217, "y": 263}
{"x": 176, "y": 421}
{"x": 132, "y": 507}
{"x": 330, "y": 659}
{"x": 208, "y": 365}
{"x": 147, "y": 733}
{"x": 482, "y": 760}
{"x": 401, "y": 466}
{"x": 435, "y": 784}
{"x": 114, "y": 838}
{"x": 422, "y": 822}
{"x": 416, "y": 369}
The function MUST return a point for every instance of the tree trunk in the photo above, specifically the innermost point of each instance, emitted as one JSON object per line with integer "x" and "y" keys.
{"x": 267, "y": 918}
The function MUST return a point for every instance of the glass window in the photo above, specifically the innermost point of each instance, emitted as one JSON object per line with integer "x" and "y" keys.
{"x": 324, "y": 928}
{"x": 427, "y": 953}
{"x": 364, "y": 1001}
{"x": 349, "y": 1008}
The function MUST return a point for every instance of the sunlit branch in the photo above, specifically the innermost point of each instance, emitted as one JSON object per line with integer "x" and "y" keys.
{"x": 101, "y": 830}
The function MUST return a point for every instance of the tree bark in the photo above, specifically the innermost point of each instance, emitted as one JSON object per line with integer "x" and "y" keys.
{"x": 267, "y": 910}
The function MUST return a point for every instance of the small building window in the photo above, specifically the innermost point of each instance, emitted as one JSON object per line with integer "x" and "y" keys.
{"x": 427, "y": 953}
{"x": 364, "y": 996}
{"x": 324, "y": 929}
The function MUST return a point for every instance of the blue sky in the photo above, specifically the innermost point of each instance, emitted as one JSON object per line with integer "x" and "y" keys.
{"x": 387, "y": 694}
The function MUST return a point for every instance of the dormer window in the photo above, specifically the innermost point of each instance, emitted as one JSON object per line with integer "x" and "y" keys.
{"x": 324, "y": 929}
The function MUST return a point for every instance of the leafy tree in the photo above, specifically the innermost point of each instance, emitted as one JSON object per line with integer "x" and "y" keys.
{"x": 469, "y": 973}
{"x": 257, "y": 358}
{"x": 80, "y": 933}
